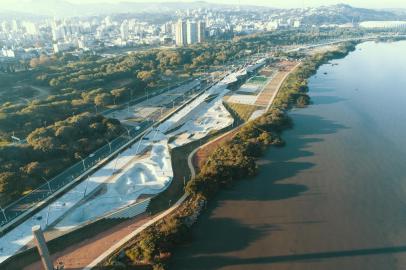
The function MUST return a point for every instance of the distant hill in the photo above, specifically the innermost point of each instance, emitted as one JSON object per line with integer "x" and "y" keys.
{"x": 10, "y": 14}
{"x": 397, "y": 11}
{"x": 341, "y": 13}
{"x": 63, "y": 8}
{"x": 326, "y": 14}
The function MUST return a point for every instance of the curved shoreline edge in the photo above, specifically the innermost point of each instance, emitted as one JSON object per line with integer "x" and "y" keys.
{"x": 153, "y": 245}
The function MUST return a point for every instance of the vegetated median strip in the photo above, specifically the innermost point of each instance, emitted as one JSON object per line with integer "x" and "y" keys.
{"x": 231, "y": 161}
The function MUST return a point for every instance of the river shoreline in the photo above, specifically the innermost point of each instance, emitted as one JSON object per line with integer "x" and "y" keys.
{"x": 294, "y": 89}
{"x": 332, "y": 199}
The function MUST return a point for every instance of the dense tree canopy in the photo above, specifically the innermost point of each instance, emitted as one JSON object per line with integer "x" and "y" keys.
{"x": 51, "y": 149}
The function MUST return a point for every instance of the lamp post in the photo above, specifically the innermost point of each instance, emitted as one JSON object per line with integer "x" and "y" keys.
{"x": 4, "y": 214}
{"x": 49, "y": 186}
{"x": 128, "y": 132}
{"x": 83, "y": 162}
{"x": 115, "y": 164}
{"x": 108, "y": 144}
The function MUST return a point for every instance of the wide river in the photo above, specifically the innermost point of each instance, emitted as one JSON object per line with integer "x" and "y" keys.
{"x": 335, "y": 196}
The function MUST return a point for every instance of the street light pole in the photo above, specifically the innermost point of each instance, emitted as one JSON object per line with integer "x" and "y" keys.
{"x": 4, "y": 214}
{"x": 83, "y": 162}
{"x": 49, "y": 186}
{"x": 108, "y": 144}
{"x": 115, "y": 164}
{"x": 128, "y": 131}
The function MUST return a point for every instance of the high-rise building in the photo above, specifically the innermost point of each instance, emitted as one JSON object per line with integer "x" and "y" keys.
{"x": 191, "y": 32}
{"x": 201, "y": 31}
{"x": 58, "y": 32}
{"x": 30, "y": 28}
{"x": 166, "y": 28}
{"x": 124, "y": 30}
{"x": 181, "y": 33}
{"x": 296, "y": 24}
{"x": 15, "y": 26}
{"x": 5, "y": 26}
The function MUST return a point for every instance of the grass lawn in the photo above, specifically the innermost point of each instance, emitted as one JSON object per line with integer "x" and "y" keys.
{"x": 243, "y": 111}
{"x": 258, "y": 80}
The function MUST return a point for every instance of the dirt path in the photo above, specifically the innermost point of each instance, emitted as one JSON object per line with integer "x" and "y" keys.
{"x": 268, "y": 94}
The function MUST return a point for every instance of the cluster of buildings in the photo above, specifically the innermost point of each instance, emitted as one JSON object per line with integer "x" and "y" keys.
{"x": 25, "y": 38}
{"x": 189, "y": 32}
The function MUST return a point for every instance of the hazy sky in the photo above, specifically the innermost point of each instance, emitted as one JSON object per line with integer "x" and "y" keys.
{"x": 282, "y": 3}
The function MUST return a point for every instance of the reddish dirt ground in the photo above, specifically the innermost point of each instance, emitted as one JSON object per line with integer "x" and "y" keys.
{"x": 203, "y": 153}
{"x": 81, "y": 254}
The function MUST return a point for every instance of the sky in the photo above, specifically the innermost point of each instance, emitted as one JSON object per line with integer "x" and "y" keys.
{"x": 281, "y": 3}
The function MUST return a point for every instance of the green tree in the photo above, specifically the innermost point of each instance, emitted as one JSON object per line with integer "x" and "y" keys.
{"x": 102, "y": 99}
